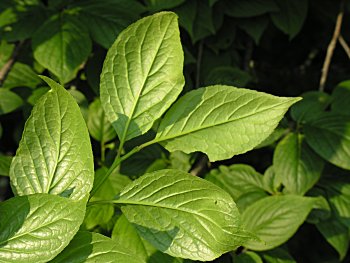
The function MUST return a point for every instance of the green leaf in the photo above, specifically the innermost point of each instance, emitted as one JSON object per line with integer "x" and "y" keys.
{"x": 196, "y": 17}
{"x": 275, "y": 219}
{"x": 146, "y": 59}
{"x": 37, "y": 227}
{"x": 5, "y": 162}
{"x": 341, "y": 98}
{"x": 236, "y": 179}
{"x": 228, "y": 76}
{"x": 204, "y": 120}
{"x": 329, "y": 136}
{"x": 249, "y": 8}
{"x": 183, "y": 215}
{"x": 157, "y": 5}
{"x": 296, "y": 165}
{"x": 277, "y": 255}
{"x": 270, "y": 181}
{"x": 336, "y": 234}
{"x": 312, "y": 104}
{"x": 291, "y": 16}
{"x": 99, "y": 127}
{"x": 126, "y": 234}
{"x": 247, "y": 257}
{"x": 249, "y": 198}
{"x": 338, "y": 195}
{"x": 254, "y": 26}
{"x": 105, "y": 19}
{"x": 180, "y": 161}
{"x": 9, "y": 101}
{"x": 54, "y": 154}
{"x": 61, "y": 45}
{"x": 21, "y": 75}
{"x": 87, "y": 247}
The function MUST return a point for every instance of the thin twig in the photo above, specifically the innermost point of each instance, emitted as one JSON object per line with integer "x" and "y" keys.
{"x": 344, "y": 45}
{"x": 331, "y": 46}
{"x": 5, "y": 70}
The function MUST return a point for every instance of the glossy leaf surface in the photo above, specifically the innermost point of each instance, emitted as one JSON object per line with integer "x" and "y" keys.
{"x": 54, "y": 155}
{"x": 37, "y": 227}
{"x": 183, "y": 215}
{"x": 142, "y": 74}
{"x": 221, "y": 121}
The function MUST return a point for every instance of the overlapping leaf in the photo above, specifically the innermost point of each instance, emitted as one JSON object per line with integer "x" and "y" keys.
{"x": 183, "y": 215}
{"x": 221, "y": 121}
{"x": 142, "y": 74}
{"x": 275, "y": 219}
{"x": 329, "y": 136}
{"x": 37, "y": 227}
{"x": 296, "y": 165}
{"x": 54, "y": 155}
{"x": 87, "y": 247}
{"x": 61, "y": 45}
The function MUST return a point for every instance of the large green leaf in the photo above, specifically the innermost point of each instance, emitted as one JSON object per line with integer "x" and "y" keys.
{"x": 54, "y": 154}
{"x": 99, "y": 127}
{"x": 236, "y": 179}
{"x": 291, "y": 16}
{"x": 296, "y": 165}
{"x": 221, "y": 121}
{"x": 105, "y": 19}
{"x": 9, "y": 101}
{"x": 336, "y": 234}
{"x": 37, "y": 227}
{"x": 87, "y": 247}
{"x": 329, "y": 136}
{"x": 183, "y": 215}
{"x": 61, "y": 45}
{"x": 142, "y": 74}
{"x": 249, "y": 8}
{"x": 275, "y": 219}
{"x": 197, "y": 18}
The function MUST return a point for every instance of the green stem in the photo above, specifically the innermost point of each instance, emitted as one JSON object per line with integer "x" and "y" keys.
{"x": 117, "y": 162}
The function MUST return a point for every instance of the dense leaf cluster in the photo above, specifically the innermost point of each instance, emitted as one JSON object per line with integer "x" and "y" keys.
{"x": 127, "y": 151}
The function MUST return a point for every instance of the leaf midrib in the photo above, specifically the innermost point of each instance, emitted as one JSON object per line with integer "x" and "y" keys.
{"x": 160, "y": 139}
{"x": 127, "y": 125}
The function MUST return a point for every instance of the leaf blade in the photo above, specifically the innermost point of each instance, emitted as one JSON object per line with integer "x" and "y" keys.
{"x": 44, "y": 225}
{"x": 193, "y": 124}
{"x": 175, "y": 212}
{"x": 131, "y": 77}
{"x": 54, "y": 155}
